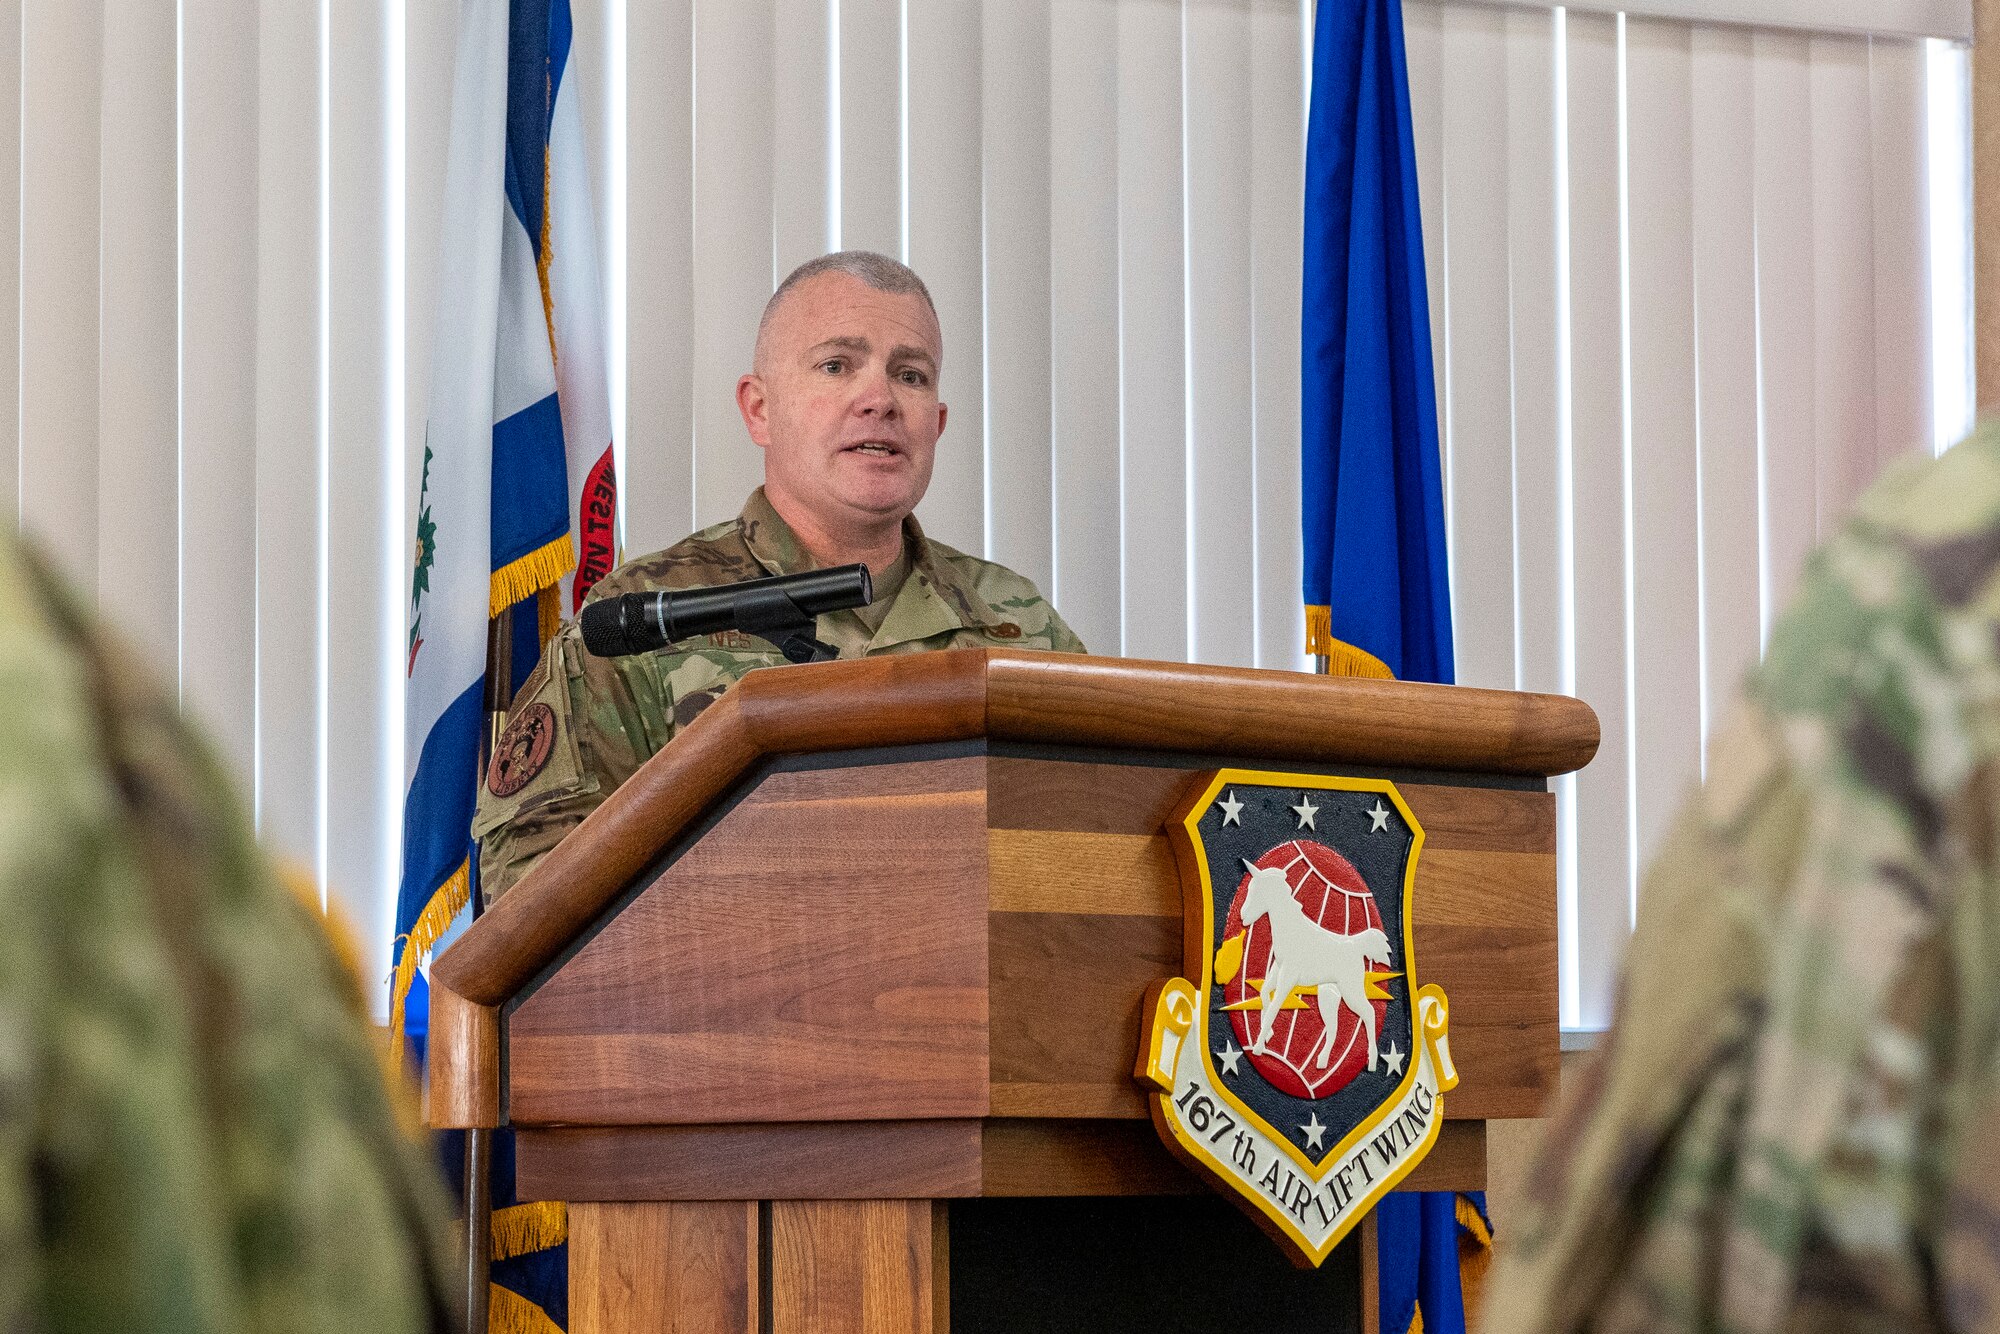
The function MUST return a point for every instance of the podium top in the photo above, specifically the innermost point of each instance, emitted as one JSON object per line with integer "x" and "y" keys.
{"x": 1017, "y": 696}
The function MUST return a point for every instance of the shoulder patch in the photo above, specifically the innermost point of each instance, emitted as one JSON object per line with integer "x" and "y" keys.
{"x": 523, "y": 750}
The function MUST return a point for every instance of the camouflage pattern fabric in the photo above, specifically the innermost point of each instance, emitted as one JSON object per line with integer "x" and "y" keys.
{"x": 1795, "y": 1123}
{"x": 581, "y": 725}
{"x": 194, "y": 1130}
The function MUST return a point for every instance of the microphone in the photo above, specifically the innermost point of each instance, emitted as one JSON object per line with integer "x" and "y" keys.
{"x": 780, "y": 608}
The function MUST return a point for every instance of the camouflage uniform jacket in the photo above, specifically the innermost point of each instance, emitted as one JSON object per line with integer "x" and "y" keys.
{"x": 581, "y": 725}
{"x": 194, "y": 1130}
{"x": 1795, "y": 1123}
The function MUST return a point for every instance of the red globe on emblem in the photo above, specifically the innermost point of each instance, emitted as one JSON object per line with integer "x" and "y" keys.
{"x": 1298, "y": 1058}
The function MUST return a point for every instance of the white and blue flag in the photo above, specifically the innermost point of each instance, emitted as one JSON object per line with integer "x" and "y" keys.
{"x": 517, "y": 515}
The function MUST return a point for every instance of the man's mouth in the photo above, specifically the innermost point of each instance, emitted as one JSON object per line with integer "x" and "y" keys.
{"x": 875, "y": 449}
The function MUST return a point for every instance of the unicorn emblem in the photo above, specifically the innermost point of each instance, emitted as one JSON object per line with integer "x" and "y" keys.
{"x": 1306, "y": 954}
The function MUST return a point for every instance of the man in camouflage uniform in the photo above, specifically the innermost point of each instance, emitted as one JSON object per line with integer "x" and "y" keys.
{"x": 843, "y": 400}
{"x": 1795, "y": 1123}
{"x": 194, "y": 1131}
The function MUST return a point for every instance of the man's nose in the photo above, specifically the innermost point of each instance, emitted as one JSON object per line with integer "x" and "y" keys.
{"x": 874, "y": 396}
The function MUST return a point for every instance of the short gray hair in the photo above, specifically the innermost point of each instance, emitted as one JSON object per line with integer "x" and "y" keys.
{"x": 878, "y": 271}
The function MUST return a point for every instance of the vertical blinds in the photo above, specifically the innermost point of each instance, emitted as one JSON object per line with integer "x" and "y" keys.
{"x": 1681, "y": 277}
{"x": 1678, "y": 273}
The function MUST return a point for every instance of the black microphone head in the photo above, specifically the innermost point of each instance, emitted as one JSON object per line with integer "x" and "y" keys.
{"x": 603, "y": 626}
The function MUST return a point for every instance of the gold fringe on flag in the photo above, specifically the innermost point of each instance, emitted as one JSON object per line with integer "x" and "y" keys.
{"x": 541, "y": 568}
{"x": 522, "y": 1228}
{"x": 508, "y": 1312}
{"x": 1475, "y": 1256}
{"x": 425, "y": 932}
{"x": 548, "y": 614}
{"x": 1342, "y": 658}
{"x": 548, "y": 252}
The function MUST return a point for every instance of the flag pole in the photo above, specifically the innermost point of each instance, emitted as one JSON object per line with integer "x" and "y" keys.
{"x": 478, "y": 1142}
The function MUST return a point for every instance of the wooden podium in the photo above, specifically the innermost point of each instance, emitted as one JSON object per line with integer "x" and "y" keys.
{"x": 872, "y": 936}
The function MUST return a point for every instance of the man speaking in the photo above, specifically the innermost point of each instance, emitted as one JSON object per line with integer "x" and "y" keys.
{"x": 843, "y": 400}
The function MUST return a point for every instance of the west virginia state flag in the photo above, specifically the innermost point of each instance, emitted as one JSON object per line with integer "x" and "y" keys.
{"x": 519, "y": 501}
{"x": 1378, "y": 600}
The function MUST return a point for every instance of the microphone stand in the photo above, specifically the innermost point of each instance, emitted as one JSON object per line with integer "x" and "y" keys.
{"x": 770, "y": 614}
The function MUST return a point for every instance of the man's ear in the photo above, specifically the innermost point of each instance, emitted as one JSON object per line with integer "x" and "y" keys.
{"x": 752, "y": 402}
{"x": 943, "y": 412}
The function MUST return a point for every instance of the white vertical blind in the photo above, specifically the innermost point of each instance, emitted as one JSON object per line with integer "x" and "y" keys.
{"x": 1083, "y": 320}
{"x": 287, "y": 456}
{"x": 660, "y": 286}
{"x": 1221, "y": 547}
{"x": 362, "y": 444}
{"x": 62, "y": 48}
{"x": 1016, "y": 113}
{"x": 223, "y": 594}
{"x": 1152, "y": 330}
{"x": 942, "y": 240}
{"x": 733, "y": 265}
{"x": 1726, "y": 370}
{"x": 1678, "y": 277}
{"x": 138, "y": 537}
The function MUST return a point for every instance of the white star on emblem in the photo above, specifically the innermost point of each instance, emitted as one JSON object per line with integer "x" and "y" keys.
{"x": 1229, "y": 1056}
{"x": 1314, "y": 1132}
{"x": 1305, "y": 810}
{"x": 1393, "y": 1059}
{"x": 1232, "y": 809}
{"x": 1380, "y": 815}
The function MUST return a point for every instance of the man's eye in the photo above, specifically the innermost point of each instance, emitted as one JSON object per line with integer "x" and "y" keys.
{"x": 915, "y": 379}
{"x": 834, "y": 365}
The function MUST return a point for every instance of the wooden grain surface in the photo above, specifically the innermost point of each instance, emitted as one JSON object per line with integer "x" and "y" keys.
{"x": 663, "y": 1268}
{"x": 840, "y": 1160}
{"x": 852, "y": 1267}
{"x": 1043, "y": 1158}
{"x": 820, "y": 955}
{"x": 1085, "y": 919}
{"x": 462, "y": 1074}
{"x": 1004, "y": 695}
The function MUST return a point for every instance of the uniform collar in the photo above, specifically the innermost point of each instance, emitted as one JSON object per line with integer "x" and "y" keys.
{"x": 934, "y": 600}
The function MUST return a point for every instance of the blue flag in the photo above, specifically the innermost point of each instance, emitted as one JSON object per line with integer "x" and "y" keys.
{"x": 1377, "y": 585}
{"x": 1377, "y": 601}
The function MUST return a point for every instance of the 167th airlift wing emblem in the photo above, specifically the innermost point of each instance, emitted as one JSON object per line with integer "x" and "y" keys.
{"x": 1298, "y": 1063}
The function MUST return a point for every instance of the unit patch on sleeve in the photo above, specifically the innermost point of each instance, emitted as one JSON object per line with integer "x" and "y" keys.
{"x": 1299, "y": 1064}
{"x": 523, "y": 749}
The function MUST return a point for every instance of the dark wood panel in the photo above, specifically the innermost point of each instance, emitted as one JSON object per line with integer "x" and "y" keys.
{"x": 1066, "y": 992}
{"x": 665, "y": 1268}
{"x": 819, "y": 1160}
{"x": 462, "y": 1078}
{"x": 559, "y": 899}
{"x": 821, "y": 957}
{"x": 1505, "y": 1021}
{"x": 1482, "y": 819}
{"x": 1055, "y": 699}
{"x": 852, "y": 1267}
{"x": 1082, "y": 798}
{"x": 1033, "y": 1158}
{"x": 1046, "y": 1158}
